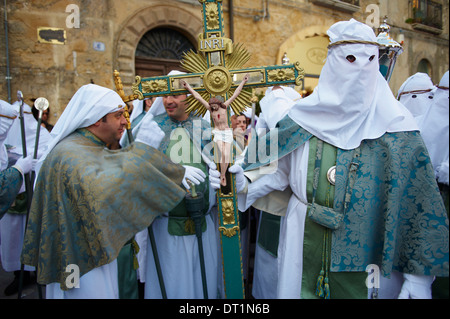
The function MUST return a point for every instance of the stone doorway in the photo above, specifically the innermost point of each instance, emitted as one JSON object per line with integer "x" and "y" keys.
{"x": 186, "y": 23}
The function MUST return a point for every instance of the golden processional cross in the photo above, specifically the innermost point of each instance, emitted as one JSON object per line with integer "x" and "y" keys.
{"x": 216, "y": 71}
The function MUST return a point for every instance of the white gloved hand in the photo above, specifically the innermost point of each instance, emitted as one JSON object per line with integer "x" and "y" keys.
{"x": 26, "y": 165}
{"x": 150, "y": 133}
{"x": 194, "y": 175}
{"x": 241, "y": 180}
{"x": 416, "y": 287}
{"x": 214, "y": 176}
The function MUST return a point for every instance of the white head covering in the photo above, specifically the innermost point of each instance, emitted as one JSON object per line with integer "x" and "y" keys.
{"x": 89, "y": 104}
{"x": 7, "y": 115}
{"x": 416, "y": 93}
{"x": 14, "y": 137}
{"x": 271, "y": 111}
{"x": 157, "y": 107}
{"x": 435, "y": 130}
{"x": 352, "y": 101}
{"x": 138, "y": 108}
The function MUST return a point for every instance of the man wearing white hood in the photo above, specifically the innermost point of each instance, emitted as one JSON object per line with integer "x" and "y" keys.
{"x": 374, "y": 203}
{"x": 416, "y": 93}
{"x": 435, "y": 133}
{"x": 90, "y": 201}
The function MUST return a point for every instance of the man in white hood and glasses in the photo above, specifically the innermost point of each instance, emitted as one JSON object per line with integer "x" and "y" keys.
{"x": 374, "y": 204}
{"x": 90, "y": 201}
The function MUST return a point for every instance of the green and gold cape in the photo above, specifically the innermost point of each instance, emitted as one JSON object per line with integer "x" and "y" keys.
{"x": 89, "y": 201}
{"x": 395, "y": 216}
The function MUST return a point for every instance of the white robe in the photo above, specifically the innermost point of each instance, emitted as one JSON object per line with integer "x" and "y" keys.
{"x": 99, "y": 283}
{"x": 180, "y": 263}
{"x": 265, "y": 273}
{"x": 179, "y": 260}
{"x": 292, "y": 170}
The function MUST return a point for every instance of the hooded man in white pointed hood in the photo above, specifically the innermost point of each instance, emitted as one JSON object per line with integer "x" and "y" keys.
{"x": 417, "y": 94}
{"x": 374, "y": 203}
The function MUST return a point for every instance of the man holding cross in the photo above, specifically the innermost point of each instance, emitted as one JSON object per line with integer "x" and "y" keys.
{"x": 186, "y": 141}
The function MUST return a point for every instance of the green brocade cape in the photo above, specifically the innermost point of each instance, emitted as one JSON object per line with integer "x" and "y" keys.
{"x": 10, "y": 182}
{"x": 395, "y": 218}
{"x": 89, "y": 201}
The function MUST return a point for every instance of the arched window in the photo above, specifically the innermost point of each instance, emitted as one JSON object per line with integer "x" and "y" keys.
{"x": 159, "y": 51}
{"x": 424, "y": 67}
{"x": 163, "y": 43}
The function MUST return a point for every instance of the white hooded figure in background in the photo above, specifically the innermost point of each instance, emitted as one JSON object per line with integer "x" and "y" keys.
{"x": 12, "y": 225}
{"x": 435, "y": 131}
{"x": 416, "y": 93}
{"x": 271, "y": 110}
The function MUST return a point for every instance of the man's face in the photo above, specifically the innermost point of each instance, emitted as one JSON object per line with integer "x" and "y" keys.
{"x": 176, "y": 107}
{"x": 242, "y": 122}
{"x": 112, "y": 128}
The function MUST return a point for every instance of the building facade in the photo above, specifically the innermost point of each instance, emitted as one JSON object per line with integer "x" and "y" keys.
{"x": 50, "y": 48}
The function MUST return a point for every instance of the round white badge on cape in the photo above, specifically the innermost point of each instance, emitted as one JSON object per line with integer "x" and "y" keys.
{"x": 331, "y": 175}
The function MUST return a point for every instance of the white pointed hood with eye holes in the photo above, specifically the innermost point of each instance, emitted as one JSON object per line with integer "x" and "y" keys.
{"x": 352, "y": 101}
{"x": 416, "y": 93}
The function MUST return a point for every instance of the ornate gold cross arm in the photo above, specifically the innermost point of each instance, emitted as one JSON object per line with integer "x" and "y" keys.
{"x": 218, "y": 81}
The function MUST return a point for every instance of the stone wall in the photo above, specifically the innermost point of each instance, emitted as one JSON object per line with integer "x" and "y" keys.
{"x": 56, "y": 71}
